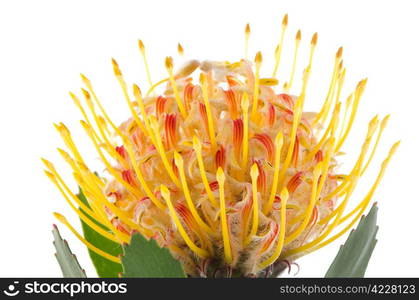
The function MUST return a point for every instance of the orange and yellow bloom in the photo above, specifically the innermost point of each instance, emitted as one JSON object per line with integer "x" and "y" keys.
{"x": 222, "y": 166}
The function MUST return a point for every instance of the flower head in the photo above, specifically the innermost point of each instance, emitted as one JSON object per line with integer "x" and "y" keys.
{"x": 222, "y": 167}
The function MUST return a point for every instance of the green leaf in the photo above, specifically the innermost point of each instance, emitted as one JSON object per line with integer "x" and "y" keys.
{"x": 145, "y": 259}
{"x": 104, "y": 267}
{"x": 67, "y": 260}
{"x": 353, "y": 257}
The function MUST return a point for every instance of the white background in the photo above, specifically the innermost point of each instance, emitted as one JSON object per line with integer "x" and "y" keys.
{"x": 44, "y": 45}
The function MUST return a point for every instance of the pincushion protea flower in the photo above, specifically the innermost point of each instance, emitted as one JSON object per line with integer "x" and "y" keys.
{"x": 222, "y": 167}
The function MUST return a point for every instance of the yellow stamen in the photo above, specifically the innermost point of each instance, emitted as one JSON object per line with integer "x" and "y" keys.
{"x": 296, "y": 120}
{"x": 139, "y": 100}
{"x": 330, "y": 128}
{"x": 151, "y": 89}
{"x": 93, "y": 248}
{"x": 246, "y": 40}
{"x": 180, "y": 50}
{"x": 80, "y": 169}
{"x": 279, "y": 48}
{"x": 89, "y": 86}
{"x": 108, "y": 165}
{"x": 80, "y": 107}
{"x": 352, "y": 179}
{"x": 245, "y": 149}
{"x": 354, "y": 174}
{"x": 348, "y": 104}
{"x": 358, "y": 93}
{"x": 143, "y": 54}
{"x": 186, "y": 192}
{"x": 382, "y": 127}
{"x": 100, "y": 123}
{"x": 56, "y": 179}
{"x": 282, "y": 229}
{"x": 312, "y": 48}
{"x": 100, "y": 198}
{"x": 118, "y": 75}
{"x": 340, "y": 80}
{"x": 326, "y": 164}
{"x": 160, "y": 148}
{"x": 199, "y": 251}
{"x": 327, "y": 231}
{"x": 140, "y": 176}
{"x": 335, "y": 74}
{"x": 308, "y": 212}
{"x": 169, "y": 67}
{"x": 66, "y": 136}
{"x": 82, "y": 214}
{"x": 288, "y": 85}
{"x": 365, "y": 202}
{"x": 198, "y": 152}
{"x": 204, "y": 83}
{"x": 279, "y": 140}
{"x": 317, "y": 245}
{"x": 224, "y": 226}
{"x": 254, "y": 174}
{"x": 258, "y": 63}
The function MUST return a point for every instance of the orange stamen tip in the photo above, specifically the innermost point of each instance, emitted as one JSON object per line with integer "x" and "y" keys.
{"x": 141, "y": 45}
{"x": 298, "y": 35}
{"x": 339, "y": 52}
{"x": 180, "y": 49}
{"x": 86, "y": 94}
{"x": 314, "y": 39}
{"x": 136, "y": 89}
{"x": 258, "y": 58}
{"x": 169, "y": 63}
{"x": 247, "y": 29}
{"x": 285, "y": 20}
{"x": 116, "y": 69}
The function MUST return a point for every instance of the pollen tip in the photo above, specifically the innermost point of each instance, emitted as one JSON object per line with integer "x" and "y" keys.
{"x": 298, "y": 35}
{"x": 339, "y": 52}
{"x": 395, "y": 146}
{"x": 284, "y": 194}
{"x": 116, "y": 69}
{"x": 49, "y": 175}
{"x": 279, "y": 138}
{"x": 141, "y": 45}
{"x": 180, "y": 49}
{"x": 136, "y": 89}
{"x": 318, "y": 169}
{"x": 86, "y": 94}
{"x": 178, "y": 158}
{"x": 196, "y": 143}
{"x": 314, "y": 39}
{"x": 202, "y": 78}
{"x": 60, "y": 217}
{"x": 247, "y": 29}
{"x": 254, "y": 171}
{"x": 164, "y": 191}
{"x": 220, "y": 175}
{"x": 84, "y": 78}
{"x": 285, "y": 20}
{"x": 245, "y": 101}
{"x": 169, "y": 63}
{"x": 258, "y": 58}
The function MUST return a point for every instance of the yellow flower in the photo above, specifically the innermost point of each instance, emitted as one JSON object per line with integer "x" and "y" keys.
{"x": 220, "y": 167}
